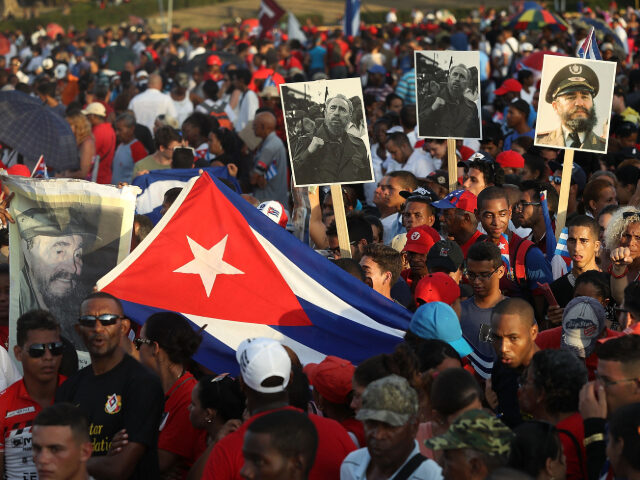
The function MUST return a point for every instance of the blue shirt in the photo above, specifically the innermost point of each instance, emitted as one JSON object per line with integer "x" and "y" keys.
{"x": 514, "y": 135}
{"x": 317, "y": 55}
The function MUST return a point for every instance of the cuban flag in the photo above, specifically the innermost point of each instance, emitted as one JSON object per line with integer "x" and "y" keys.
{"x": 550, "y": 237}
{"x": 155, "y": 183}
{"x": 561, "y": 247}
{"x": 351, "y": 24}
{"x": 233, "y": 272}
{"x": 589, "y": 47}
{"x": 40, "y": 170}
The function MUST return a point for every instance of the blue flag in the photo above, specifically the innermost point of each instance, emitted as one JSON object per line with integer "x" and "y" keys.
{"x": 351, "y": 17}
{"x": 235, "y": 274}
{"x": 156, "y": 183}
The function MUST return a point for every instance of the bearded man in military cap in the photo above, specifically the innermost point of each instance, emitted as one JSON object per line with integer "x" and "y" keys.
{"x": 53, "y": 241}
{"x": 571, "y": 93}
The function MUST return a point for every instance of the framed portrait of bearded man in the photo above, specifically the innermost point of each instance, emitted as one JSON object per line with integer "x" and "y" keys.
{"x": 327, "y": 132}
{"x": 575, "y": 103}
{"x": 448, "y": 94}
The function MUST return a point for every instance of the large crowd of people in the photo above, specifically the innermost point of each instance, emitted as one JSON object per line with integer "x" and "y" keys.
{"x": 521, "y": 360}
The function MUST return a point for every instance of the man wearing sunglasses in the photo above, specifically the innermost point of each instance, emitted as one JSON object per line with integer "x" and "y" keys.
{"x": 39, "y": 349}
{"x": 115, "y": 392}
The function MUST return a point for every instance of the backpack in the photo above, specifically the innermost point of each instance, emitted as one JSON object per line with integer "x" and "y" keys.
{"x": 218, "y": 111}
{"x": 517, "y": 253}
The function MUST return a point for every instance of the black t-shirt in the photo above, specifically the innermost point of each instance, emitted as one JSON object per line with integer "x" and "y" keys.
{"x": 127, "y": 396}
{"x": 562, "y": 289}
{"x": 504, "y": 381}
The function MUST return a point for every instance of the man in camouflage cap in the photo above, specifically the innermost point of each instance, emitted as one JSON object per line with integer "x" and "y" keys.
{"x": 475, "y": 444}
{"x": 571, "y": 93}
{"x": 53, "y": 241}
{"x": 390, "y": 416}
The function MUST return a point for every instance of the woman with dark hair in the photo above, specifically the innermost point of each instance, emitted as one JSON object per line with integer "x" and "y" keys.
{"x": 598, "y": 194}
{"x": 549, "y": 391}
{"x": 225, "y": 150}
{"x": 536, "y": 449}
{"x": 216, "y": 408}
{"x": 166, "y": 344}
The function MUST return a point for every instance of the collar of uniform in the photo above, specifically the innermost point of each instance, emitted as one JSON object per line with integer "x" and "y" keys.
{"x": 566, "y": 135}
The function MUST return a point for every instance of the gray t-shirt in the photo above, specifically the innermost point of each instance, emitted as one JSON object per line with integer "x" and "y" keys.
{"x": 472, "y": 318}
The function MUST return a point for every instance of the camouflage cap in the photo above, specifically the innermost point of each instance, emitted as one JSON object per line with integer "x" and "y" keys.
{"x": 476, "y": 430}
{"x": 390, "y": 400}
{"x": 53, "y": 222}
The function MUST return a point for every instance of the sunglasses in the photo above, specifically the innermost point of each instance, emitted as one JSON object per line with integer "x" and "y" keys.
{"x": 138, "y": 342}
{"x": 627, "y": 215}
{"x": 106, "y": 320}
{"x": 37, "y": 350}
{"x": 555, "y": 179}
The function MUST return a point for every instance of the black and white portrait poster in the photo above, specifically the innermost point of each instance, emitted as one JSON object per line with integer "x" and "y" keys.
{"x": 327, "y": 132}
{"x": 67, "y": 234}
{"x": 575, "y": 103}
{"x": 448, "y": 94}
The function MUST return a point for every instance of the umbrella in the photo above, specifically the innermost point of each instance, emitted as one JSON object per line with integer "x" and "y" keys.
{"x": 33, "y": 129}
{"x": 5, "y": 45}
{"x": 117, "y": 56}
{"x": 602, "y": 29}
{"x": 201, "y": 60}
{"x": 534, "y": 19}
{"x": 53, "y": 29}
{"x": 534, "y": 61}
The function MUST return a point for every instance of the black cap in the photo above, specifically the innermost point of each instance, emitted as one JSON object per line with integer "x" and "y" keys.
{"x": 428, "y": 194}
{"x": 573, "y": 78}
{"x": 445, "y": 255}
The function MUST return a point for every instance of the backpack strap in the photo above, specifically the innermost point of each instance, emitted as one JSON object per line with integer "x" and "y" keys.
{"x": 410, "y": 467}
{"x": 578, "y": 448}
{"x": 517, "y": 253}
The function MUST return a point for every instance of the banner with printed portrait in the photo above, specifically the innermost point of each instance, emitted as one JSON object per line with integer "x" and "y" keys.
{"x": 327, "y": 132}
{"x": 575, "y": 103}
{"x": 67, "y": 234}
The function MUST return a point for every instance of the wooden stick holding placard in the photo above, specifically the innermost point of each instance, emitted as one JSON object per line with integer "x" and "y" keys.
{"x": 452, "y": 164}
{"x": 563, "y": 201}
{"x": 341, "y": 220}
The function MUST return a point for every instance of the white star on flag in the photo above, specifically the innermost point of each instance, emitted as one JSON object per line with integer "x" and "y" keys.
{"x": 501, "y": 246}
{"x": 208, "y": 263}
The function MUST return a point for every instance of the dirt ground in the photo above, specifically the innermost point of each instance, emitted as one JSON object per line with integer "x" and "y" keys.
{"x": 332, "y": 10}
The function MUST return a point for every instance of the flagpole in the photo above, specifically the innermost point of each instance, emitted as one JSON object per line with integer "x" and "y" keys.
{"x": 341, "y": 221}
{"x": 452, "y": 164}
{"x": 35, "y": 169}
{"x": 567, "y": 168}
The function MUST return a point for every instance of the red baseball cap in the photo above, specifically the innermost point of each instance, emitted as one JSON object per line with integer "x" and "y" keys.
{"x": 510, "y": 159}
{"x": 331, "y": 378}
{"x": 509, "y": 85}
{"x": 19, "y": 169}
{"x": 421, "y": 239}
{"x": 437, "y": 287}
{"x": 213, "y": 60}
{"x": 462, "y": 199}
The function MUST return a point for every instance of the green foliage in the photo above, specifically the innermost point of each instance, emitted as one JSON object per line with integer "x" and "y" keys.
{"x": 83, "y": 11}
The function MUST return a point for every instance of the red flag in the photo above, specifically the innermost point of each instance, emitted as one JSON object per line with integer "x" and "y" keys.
{"x": 270, "y": 13}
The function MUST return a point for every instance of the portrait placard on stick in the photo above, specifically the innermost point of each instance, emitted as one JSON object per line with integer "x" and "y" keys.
{"x": 448, "y": 94}
{"x": 327, "y": 132}
{"x": 575, "y": 103}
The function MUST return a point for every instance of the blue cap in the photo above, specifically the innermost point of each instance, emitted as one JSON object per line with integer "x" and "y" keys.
{"x": 377, "y": 69}
{"x": 437, "y": 320}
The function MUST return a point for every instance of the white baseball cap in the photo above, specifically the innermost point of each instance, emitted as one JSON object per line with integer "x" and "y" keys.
{"x": 95, "y": 108}
{"x": 275, "y": 211}
{"x": 260, "y": 359}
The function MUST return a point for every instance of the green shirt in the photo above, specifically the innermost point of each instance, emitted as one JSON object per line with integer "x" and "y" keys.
{"x": 148, "y": 163}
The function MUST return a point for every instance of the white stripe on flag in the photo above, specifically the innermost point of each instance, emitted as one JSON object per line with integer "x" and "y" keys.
{"x": 307, "y": 288}
{"x": 232, "y": 333}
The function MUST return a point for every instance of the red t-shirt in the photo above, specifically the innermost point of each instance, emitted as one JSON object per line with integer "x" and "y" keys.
{"x": 17, "y": 411}
{"x": 105, "y": 149}
{"x": 356, "y": 428}
{"x": 138, "y": 152}
{"x": 334, "y": 444}
{"x": 575, "y": 427}
{"x": 465, "y": 248}
{"x": 551, "y": 339}
{"x": 177, "y": 435}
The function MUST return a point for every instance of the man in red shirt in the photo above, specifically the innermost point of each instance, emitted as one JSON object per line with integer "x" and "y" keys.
{"x": 105, "y": 137}
{"x": 458, "y": 211}
{"x": 39, "y": 349}
{"x": 265, "y": 370}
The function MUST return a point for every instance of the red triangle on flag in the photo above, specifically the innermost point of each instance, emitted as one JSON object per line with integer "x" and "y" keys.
{"x": 206, "y": 261}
